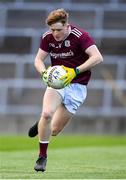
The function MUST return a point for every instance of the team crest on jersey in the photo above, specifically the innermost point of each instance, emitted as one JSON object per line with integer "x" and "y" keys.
{"x": 67, "y": 43}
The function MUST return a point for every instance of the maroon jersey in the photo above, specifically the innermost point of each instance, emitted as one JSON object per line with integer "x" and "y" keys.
{"x": 69, "y": 52}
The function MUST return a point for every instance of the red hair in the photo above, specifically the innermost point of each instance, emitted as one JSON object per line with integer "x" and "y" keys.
{"x": 59, "y": 15}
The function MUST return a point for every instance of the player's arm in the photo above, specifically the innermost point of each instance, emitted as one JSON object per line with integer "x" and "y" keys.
{"x": 39, "y": 60}
{"x": 95, "y": 57}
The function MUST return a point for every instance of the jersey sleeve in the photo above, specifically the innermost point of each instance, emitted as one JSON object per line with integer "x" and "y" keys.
{"x": 86, "y": 41}
{"x": 44, "y": 45}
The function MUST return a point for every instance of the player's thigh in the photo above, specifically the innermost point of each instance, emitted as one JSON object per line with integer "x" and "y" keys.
{"x": 60, "y": 118}
{"x": 51, "y": 100}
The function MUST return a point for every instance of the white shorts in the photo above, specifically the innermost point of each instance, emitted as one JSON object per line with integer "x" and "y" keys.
{"x": 73, "y": 96}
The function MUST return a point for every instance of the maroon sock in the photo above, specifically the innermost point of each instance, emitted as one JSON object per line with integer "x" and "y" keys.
{"x": 43, "y": 149}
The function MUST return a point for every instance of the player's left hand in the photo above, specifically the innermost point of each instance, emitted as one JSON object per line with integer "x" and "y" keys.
{"x": 70, "y": 75}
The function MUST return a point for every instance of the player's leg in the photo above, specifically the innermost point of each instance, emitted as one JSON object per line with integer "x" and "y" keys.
{"x": 73, "y": 96}
{"x": 51, "y": 101}
{"x": 60, "y": 118}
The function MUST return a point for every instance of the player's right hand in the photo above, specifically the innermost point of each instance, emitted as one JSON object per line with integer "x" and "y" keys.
{"x": 44, "y": 76}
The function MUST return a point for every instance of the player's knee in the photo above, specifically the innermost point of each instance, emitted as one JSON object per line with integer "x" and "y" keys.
{"x": 47, "y": 114}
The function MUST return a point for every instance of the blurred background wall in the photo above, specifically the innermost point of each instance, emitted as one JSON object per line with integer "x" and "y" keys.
{"x": 22, "y": 23}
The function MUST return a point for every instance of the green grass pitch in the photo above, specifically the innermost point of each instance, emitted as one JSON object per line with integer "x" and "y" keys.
{"x": 69, "y": 157}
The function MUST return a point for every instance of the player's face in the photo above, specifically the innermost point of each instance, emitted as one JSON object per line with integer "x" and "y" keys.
{"x": 59, "y": 31}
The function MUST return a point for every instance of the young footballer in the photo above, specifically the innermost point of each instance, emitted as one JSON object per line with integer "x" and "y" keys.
{"x": 73, "y": 48}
